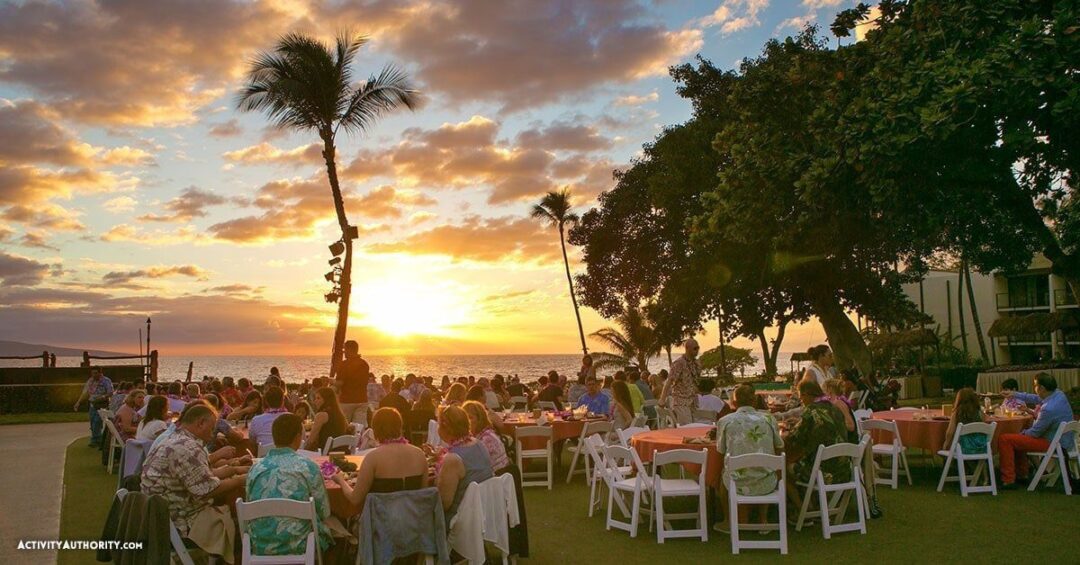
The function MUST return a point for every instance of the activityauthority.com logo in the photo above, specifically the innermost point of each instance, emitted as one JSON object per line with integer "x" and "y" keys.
{"x": 76, "y": 545}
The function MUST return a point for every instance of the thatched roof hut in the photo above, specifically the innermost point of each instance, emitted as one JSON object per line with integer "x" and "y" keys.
{"x": 1033, "y": 324}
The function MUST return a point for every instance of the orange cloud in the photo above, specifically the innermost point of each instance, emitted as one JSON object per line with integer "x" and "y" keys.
{"x": 20, "y": 271}
{"x": 191, "y": 203}
{"x": 477, "y": 239}
{"x": 264, "y": 153}
{"x": 161, "y": 271}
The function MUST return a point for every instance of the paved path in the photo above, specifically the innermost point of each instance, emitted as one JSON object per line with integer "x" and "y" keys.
{"x": 31, "y": 484}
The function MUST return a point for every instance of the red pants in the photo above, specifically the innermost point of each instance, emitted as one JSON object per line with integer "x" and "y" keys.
{"x": 1013, "y": 449}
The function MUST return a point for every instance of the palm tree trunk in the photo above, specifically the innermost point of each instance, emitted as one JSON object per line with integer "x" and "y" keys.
{"x": 345, "y": 282}
{"x": 960, "y": 309}
{"x": 570, "y": 281}
{"x": 975, "y": 313}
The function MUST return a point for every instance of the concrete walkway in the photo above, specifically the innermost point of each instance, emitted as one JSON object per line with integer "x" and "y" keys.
{"x": 31, "y": 485}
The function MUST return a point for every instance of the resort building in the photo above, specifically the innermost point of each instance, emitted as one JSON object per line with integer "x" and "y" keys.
{"x": 1025, "y": 317}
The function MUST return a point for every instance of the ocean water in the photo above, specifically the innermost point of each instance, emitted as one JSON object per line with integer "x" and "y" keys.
{"x": 297, "y": 368}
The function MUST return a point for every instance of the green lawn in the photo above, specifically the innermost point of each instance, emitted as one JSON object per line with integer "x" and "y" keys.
{"x": 920, "y": 524}
{"x": 43, "y": 418}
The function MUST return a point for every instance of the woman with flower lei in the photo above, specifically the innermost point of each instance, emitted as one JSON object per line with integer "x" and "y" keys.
{"x": 464, "y": 460}
{"x": 395, "y": 465}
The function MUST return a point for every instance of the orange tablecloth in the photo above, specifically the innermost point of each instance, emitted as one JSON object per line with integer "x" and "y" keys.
{"x": 560, "y": 429}
{"x": 929, "y": 435}
{"x": 339, "y": 505}
{"x": 646, "y": 443}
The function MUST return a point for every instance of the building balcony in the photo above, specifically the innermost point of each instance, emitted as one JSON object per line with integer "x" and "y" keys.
{"x": 1063, "y": 298}
{"x": 1021, "y": 302}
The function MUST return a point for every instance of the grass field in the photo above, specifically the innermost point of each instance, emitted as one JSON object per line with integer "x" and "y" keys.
{"x": 920, "y": 524}
{"x": 43, "y": 418}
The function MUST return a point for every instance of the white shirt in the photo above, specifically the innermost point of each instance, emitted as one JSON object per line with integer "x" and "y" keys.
{"x": 710, "y": 402}
{"x": 150, "y": 430}
{"x": 261, "y": 428}
{"x": 820, "y": 375}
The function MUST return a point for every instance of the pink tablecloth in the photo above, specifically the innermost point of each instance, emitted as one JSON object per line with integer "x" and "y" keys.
{"x": 560, "y": 429}
{"x": 646, "y": 443}
{"x": 929, "y": 434}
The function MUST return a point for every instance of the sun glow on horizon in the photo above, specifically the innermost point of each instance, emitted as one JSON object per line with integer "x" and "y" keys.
{"x": 400, "y": 307}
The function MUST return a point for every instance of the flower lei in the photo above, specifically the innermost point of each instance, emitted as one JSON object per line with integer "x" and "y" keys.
{"x": 276, "y": 410}
{"x": 443, "y": 451}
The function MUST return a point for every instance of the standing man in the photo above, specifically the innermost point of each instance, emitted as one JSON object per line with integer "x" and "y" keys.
{"x": 352, "y": 380}
{"x": 98, "y": 390}
{"x": 681, "y": 387}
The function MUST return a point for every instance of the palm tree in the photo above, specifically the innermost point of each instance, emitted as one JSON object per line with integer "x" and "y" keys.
{"x": 633, "y": 342}
{"x": 554, "y": 208}
{"x": 304, "y": 85}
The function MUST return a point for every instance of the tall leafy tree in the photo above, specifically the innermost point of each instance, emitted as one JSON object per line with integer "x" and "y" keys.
{"x": 308, "y": 86}
{"x": 555, "y": 209}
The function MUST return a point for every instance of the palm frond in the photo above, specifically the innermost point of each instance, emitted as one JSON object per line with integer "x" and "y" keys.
{"x": 381, "y": 94}
{"x": 602, "y": 360}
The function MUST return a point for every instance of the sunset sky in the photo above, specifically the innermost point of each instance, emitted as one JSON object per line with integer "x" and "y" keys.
{"x": 130, "y": 184}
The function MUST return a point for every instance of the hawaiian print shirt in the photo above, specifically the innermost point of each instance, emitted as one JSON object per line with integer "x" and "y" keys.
{"x": 178, "y": 470}
{"x": 96, "y": 390}
{"x": 684, "y": 385}
{"x": 284, "y": 473}
{"x": 750, "y": 431}
{"x": 821, "y": 424}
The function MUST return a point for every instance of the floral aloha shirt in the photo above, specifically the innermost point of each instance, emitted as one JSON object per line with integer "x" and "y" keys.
{"x": 178, "y": 470}
{"x": 749, "y": 431}
{"x": 284, "y": 473}
{"x": 821, "y": 424}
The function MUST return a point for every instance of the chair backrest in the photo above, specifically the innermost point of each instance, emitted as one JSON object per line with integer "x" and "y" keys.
{"x": 695, "y": 425}
{"x": 493, "y": 404}
{"x": 884, "y": 425}
{"x": 433, "y": 438}
{"x": 697, "y": 457}
{"x": 863, "y": 414}
{"x": 598, "y": 427}
{"x": 837, "y": 450}
{"x": 519, "y": 403}
{"x": 545, "y": 405}
{"x": 349, "y": 441}
{"x": 111, "y": 426}
{"x": 664, "y": 418}
{"x": 755, "y": 461}
{"x": 616, "y": 456}
{"x": 639, "y": 421}
{"x": 626, "y": 434}
{"x": 594, "y": 447}
{"x": 533, "y": 431}
{"x": 134, "y": 455}
{"x": 704, "y": 416}
{"x": 277, "y": 507}
{"x": 106, "y": 414}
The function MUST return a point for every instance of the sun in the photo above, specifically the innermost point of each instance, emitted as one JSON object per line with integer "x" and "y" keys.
{"x": 401, "y": 307}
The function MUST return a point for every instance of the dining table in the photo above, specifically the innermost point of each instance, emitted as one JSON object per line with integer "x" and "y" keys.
{"x": 925, "y": 429}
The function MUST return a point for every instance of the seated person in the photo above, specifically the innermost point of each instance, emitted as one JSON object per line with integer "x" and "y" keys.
{"x": 706, "y": 399}
{"x": 261, "y": 429}
{"x": 393, "y": 466}
{"x": 395, "y": 400}
{"x": 478, "y": 394}
{"x": 821, "y": 423}
{"x": 283, "y": 473}
{"x": 966, "y": 410}
{"x": 224, "y": 434}
{"x": 551, "y": 392}
{"x": 155, "y": 421}
{"x": 622, "y": 406}
{"x": 636, "y": 399}
{"x": 481, "y": 429}
{"x": 303, "y": 410}
{"x": 1053, "y": 409}
{"x": 465, "y": 461}
{"x": 179, "y": 470}
{"x": 594, "y": 400}
{"x": 127, "y": 416}
{"x": 747, "y": 430}
{"x": 1009, "y": 387}
{"x": 576, "y": 389}
{"x": 253, "y": 406}
{"x": 834, "y": 391}
{"x": 329, "y": 419}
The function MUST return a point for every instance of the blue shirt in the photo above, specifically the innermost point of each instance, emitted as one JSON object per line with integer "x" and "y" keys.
{"x": 1053, "y": 410}
{"x": 597, "y": 404}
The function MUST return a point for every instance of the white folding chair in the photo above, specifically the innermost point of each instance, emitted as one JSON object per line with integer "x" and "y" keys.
{"x": 106, "y": 414}
{"x": 653, "y": 403}
{"x": 707, "y": 417}
{"x": 834, "y": 507}
{"x": 433, "y": 438}
{"x": 1056, "y": 453}
{"x": 675, "y": 488}
{"x": 589, "y": 429}
{"x": 132, "y": 457}
{"x": 114, "y": 440}
{"x": 772, "y": 463}
{"x": 284, "y": 508}
{"x": 498, "y": 493}
{"x": 639, "y": 421}
{"x": 627, "y": 433}
{"x": 545, "y": 453}
{"x": 618, "y": 462}
{"x": 349, "y": 441}
{"x": 664, "y": 418}
{"x": 985, "y": 460}
{"x": 863, "y": 414}
{"x": 594, "y": 448}
{"x": 546, "y": 405}
{"x": 694, "y": 425}
{"x": 519, "y": 404}
{"x": 895, "y": 450}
